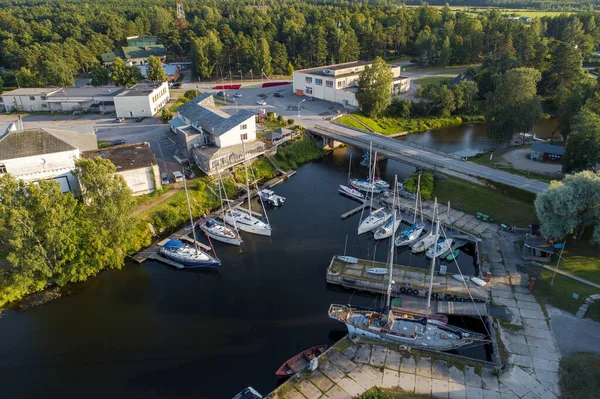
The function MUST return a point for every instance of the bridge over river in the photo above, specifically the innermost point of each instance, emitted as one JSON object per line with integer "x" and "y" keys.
{"x": 422, "y": 157}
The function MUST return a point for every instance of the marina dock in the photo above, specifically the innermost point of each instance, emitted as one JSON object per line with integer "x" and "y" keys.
{"x": 365, "y": 204}
{"x": 410, "y": 282}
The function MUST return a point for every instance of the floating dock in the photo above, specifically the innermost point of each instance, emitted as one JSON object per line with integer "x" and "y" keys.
{"x": 412, "y": 283}
{"x": 365, "y": 204}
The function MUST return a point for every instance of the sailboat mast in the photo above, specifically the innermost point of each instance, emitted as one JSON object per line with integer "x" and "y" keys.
{"x": 437, "y": 232}
{"x": 346, "y": 245}
{"x": 247, "y": 181}
{"x": 417, "y": 198}
{"x": 370, "y": 155}
{"x": 392, "y": 246}
{"x": 349, "y": 168}
{"x": 373, "y": 179}
{"x": 190, "y": 210}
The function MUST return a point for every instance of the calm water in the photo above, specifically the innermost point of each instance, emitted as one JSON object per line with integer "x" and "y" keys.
{"x": 150, "y": 331}
{"x": 470, "y": 139}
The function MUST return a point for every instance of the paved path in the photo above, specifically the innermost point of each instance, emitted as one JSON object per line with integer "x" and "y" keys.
{"x": 420, "y": 156}
{"x": 573, "y": 334}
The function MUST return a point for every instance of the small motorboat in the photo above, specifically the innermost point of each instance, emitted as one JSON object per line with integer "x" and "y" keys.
{"x": 299, "y": 362}
{"x": 377, "y": 270}
{"x": 387, "y": 230}
{"x": 351, "y": 192}
{"x": 248, "y": 393}
{"x": 461, "y": 278}
{"x": 348, "y": 259}
{"x": 269, "y": 197}
{"x": 478, "y": 281}
{"x": 443, "y": 245}
{"x": 452, "y": 255}
{"x": 374, "y": 220}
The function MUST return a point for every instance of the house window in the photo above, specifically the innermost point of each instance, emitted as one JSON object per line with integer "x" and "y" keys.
{"x": 2, "y": 168}
{"x": 308, "y": 79}
{"x": 31, "y": 98}
{"x": 308, "y": 90}
{"x": 244, "y": 136}
{"x": 319, "y": 82}
{"x": 329, "y": 83}
{"x": 44, "y": 98}
{"x": 339, "y": 83}
{"x": 44, "y": 105}
{"x": 244, "y": 127}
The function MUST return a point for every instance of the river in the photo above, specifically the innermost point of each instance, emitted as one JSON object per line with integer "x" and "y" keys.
{"x": 471, "y": 138}
{"x": 150, "y": 331}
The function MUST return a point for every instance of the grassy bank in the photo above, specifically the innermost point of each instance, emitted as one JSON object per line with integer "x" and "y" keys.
{"x": 579, "y": 376}
{"x": 438, "y": 80}
{"x": 389, "y": 126}
{"x": 506, "y": 205}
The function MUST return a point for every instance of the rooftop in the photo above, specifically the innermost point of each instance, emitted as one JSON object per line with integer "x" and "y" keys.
{"x": 141, "y": 40}
{"x": 144, "y": 51}
{"x": 213, "y": 152}
{"x": 548, "y": 148}
{"x": 538, "y": 243}
{"x": 336, "y": 67}
{"x": 34, "y": 91}
{"x": 140, "y": 89}
{"x": 126, "y": 157}
{"x": 31, "y": 142}
{"x": 86, "y": 92}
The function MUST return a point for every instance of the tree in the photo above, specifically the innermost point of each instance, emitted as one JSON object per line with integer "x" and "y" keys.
{"x": 124, "y": 75}
{"x": 570, "y": 206}
{"x": 156, "y": 72}
{"x": 107, "y": 212}
{"x": 400, "y": 107}
{"x": 583, "y": 143}
{"x": 374, "y": 88}
{"x": 514, "y": 106}
{"x": 464, "y": 94}
{"x": 279, "y": 59}
{"x": 263, "y": 57}
{"x": 566, "y": 66}
{"x": 26, "y": 78}
{"x": 569, "y": 100}
{"x": 1, "y": 85}
{"x": 166, "y": 115}
{"x": 439, "y": 97}
{"x": 100, "y": 76}
{"x": 411, "y": 183}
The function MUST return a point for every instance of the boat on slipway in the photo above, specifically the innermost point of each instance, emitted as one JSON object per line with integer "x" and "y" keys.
{"x": 299, "y": 362}
{"x": 347, "y": 259}
{"x": 377, "y": 270}
{"x": 388, "y": 326}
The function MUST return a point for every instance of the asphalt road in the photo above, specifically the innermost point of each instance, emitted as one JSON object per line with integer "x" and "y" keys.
{"x": 574, "y": 335}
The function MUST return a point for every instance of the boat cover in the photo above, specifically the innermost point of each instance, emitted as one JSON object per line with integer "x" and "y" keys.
{"x": 173, "y": 244}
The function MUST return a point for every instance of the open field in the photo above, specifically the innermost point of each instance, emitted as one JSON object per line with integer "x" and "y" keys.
{"x": 432, "y": 80}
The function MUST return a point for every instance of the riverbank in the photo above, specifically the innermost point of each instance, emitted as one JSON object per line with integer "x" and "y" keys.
{"x": 389, "y": 126}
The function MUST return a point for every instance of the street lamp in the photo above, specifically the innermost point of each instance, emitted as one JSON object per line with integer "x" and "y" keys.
{"x": 299, "y": 107}
{"x": 236, "y": 104}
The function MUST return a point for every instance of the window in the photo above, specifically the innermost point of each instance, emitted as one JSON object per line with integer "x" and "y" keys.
{"x": 308, "y": 79}
{"x": 308, "y": 90}
{"x": 244, "y": 136}
{"x": 319, "y": 82}
{"x": 44, "y": 105}
{"x": 244, "y": 127}
{"x": 31, "y": 98}
{"x": 339, "y": 83}
{"x": 329, "y": 83}
{"x": 44, "y": 98}
{"x": 2, "y": 168}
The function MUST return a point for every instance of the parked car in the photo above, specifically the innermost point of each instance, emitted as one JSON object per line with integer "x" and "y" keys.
{"x": 222, "y": 94}
{"x": 177, "y": 85}
{"x": 165, "y": 179}
{"x": 139, "y": 119}
{"x": 261, "y": 102}
{"x": 238, "y": 95}
{"x": 277, "y": 95}
{"x": 119, "y": 120}
{"x": 310, "y": 99}
{"x": 117, "y": 142}
{"x": 177, "y": 176}
{"x": 189, "y": 173}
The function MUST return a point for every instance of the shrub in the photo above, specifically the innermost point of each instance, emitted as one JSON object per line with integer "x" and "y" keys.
{"x": 411, "y": 182}
{"x": 190, "y": 94}
{"x": 375, "y": 393}
{"x": 270, "y": 115}
{"x": 290, "y": 155}
{"x": 166, "y": 115}
{"x": 280, "y": 119}
{"x": 290, "y": 121}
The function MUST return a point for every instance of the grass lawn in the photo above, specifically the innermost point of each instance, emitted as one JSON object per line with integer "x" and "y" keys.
{"x": 472, "y": 198}
{"x": 388, "y": 126}
{"x": 581, "y": 259}
{"x": 431, "y": 80}
{"x": 579, "y": 376}
{"x": 395, "y": 393}
{"x": 484, "y": 159}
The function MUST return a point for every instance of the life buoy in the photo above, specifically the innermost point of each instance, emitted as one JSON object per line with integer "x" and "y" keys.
{"x": 402, "y": 290}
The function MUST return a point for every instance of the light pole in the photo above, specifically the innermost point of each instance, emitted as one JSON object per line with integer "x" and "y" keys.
{"x": 236, "y": 104}
{"x": 262, "y": 79}
{"x": 251, "y": 79}
{"x": 299, "y": 107}
{"x": 241, "y": 77}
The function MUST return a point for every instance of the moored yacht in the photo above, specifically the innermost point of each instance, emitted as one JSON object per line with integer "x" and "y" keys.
{"x": 443, "y": 246}
{"x": 220, "y": 232}
{"x": 188, "y": 256}
{"x": 246, "y": 222}
{"x": 374, "y": 220}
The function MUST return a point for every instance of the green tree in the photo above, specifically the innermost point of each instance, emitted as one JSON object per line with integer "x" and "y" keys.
{"x": 566, "y": 66}
{"x": 107, "y": 213}
{"x": 263, "y": 57}
{"x": 427, "y": 181}
{"x": 400, "y": 107}
{"x": 1, "y": 85}
{"x": 570, "y": 206}
{"x": 514, "y": 106}
{"x": 374, "y": 88}
{"x": 464, "y": 94}
{"x": 583, "y": 143}
{"x": 569, "y": 100}
{"x": 166, "y": 115}
{"x": 125, "y": 75}
{"x": 25, "y": 78}
{"x": 439, "y": 97}
{"x": 156, "y": 73}
{"x": 100, "y": 76}
{"x": 279, "y": 59}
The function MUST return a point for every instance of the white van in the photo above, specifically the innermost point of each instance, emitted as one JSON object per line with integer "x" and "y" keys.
{"x": 177, "y": 176}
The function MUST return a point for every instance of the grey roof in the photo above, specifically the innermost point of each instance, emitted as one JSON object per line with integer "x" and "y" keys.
{"x": 140, "y": 89}
{"x": 201, "y": 111}
{"x": 277, "y": 134}
{"x": 126, "y": 157}
{"x": 548, "y": 148}
{"x": 83, "y": 141}
{"x": 86, "y": 92}
{"x": 27, "y": 143}
{"x": 31, "y": 91}
{"x": 177, "y": 122}
{"x": 336, "y": 67}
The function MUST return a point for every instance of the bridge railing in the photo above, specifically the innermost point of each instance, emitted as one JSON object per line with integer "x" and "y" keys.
{"x": 378, "y": 145}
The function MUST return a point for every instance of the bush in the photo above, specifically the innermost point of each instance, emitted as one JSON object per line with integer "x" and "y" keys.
{"x": 191, "y": 94}
{"x": 281, "y": 119}
{"x": 166, "y": 115}
{"x": 290, "y": 155}
{"x": 290, "y": 121}
{"x": 375, "y": 393}
{"x": 166, "y": 218}
{"x": 411, "y": 183}
{"x": 270, "y": 115}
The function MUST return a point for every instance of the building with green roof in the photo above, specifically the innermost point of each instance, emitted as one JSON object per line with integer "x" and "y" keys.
{"x": 137, "y": 51}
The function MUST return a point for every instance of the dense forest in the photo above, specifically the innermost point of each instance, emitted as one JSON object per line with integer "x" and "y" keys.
{"x": 50, "y": 42}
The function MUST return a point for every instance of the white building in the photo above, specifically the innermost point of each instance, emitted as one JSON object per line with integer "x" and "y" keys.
{"x": 61, "y": 99}
{"x": 142, "y": 100}
{"x": 213, "y": 138}
{"x": 339, "y": 83}
{"x": 136, "y": 163}
{"x": 42, "y": 154}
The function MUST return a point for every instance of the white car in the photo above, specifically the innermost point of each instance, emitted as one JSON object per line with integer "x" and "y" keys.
{"x": 261, "y": 102}
{"x": 237, "y": 95}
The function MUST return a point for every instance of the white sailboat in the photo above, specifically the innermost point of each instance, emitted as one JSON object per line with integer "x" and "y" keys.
{"x": 390, "y": 227}
{"x": 387, "y": 326}
{"x": 426, "y": 242}
{"x": 185, "y": 255}
{"x": 443, "y": 246}
{"x": 377, "y": 217}
{"x": 347, "y": 259}
{"x": 413, "y": 233}
{"x": 243, "y": 220}
{"x": 349, "y": 190}
{"x": 219, "y": 231}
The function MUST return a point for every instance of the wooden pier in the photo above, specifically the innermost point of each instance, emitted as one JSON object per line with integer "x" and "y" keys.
{"x": 411, "y": 281}
{"x": 365, "y": 204}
